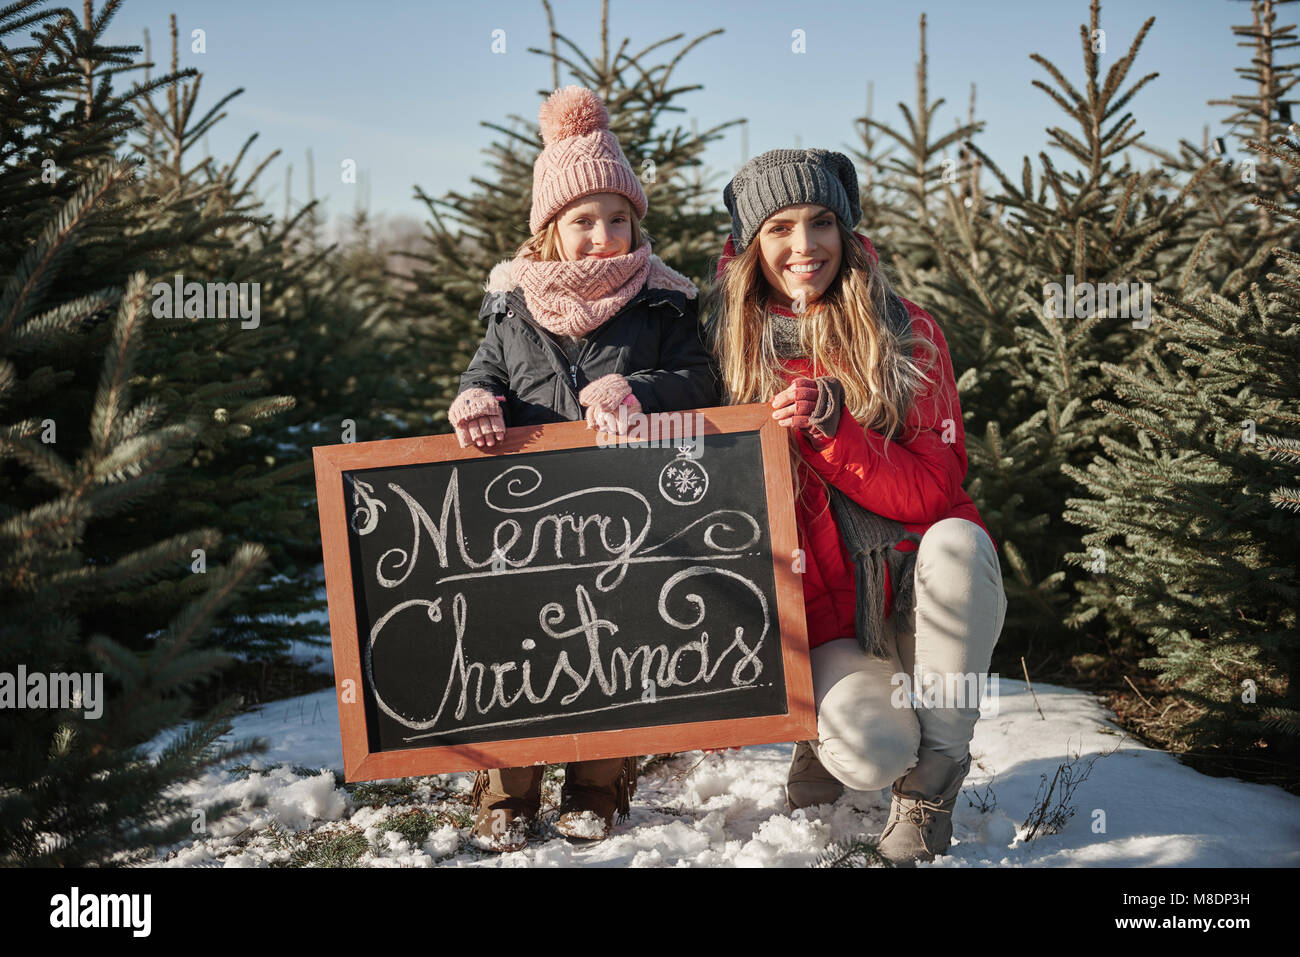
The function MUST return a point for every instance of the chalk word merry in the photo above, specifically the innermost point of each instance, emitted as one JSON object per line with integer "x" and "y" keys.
{"x": 557, "y": 535}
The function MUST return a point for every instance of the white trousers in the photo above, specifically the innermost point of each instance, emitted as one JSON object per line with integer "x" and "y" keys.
{"x": 869, "y": 727}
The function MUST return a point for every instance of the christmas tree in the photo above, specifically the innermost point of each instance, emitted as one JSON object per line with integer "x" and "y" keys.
{"x": 905, "y": 184}
{"x": 79, "y": 447}
{"x": 1227, "y": 242}
{"x": 300, "y": 365}
{"x": 1037, "y": 285}
{"x": 1194, "y": 508}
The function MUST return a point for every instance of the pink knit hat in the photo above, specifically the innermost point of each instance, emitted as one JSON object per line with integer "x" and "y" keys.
{"x": 581, "y": 156}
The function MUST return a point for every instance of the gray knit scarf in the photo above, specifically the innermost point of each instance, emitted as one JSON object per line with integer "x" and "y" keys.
{"x": 868, "y": 537}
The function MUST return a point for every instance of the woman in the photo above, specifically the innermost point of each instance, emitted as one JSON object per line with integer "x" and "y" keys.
{"x": 902, "y": 587}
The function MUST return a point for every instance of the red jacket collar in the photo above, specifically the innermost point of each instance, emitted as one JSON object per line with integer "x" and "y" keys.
{"x": 729, "y": 253}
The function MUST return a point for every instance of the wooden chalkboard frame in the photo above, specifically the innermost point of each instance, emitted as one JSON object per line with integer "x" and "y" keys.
{"x": 362, "y": 764}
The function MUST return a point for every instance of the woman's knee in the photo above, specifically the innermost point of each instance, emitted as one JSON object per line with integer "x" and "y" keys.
{"x": 869, "y": 759}
{"x": 956, "y": 563}
{"x": 867, "y": 738}
{"x": 956, "y": 540}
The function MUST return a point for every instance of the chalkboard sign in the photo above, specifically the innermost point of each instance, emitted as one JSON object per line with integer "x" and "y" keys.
{"x": 564, "y": 595}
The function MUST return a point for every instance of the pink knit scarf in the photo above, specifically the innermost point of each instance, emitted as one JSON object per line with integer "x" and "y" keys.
{"x": 573, "y": 297}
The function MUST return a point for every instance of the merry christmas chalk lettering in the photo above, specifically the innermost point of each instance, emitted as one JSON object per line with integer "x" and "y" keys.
{"x": 562, "y": 600}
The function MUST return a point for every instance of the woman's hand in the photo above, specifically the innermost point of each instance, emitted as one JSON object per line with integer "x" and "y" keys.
{"x": 811, "y": 405}
{"x": 718, "y": 750}
{"x": 795, "y": 405}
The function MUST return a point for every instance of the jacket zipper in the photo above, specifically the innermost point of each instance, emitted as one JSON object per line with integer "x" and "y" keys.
{"x": 550, "y": 343}
{"x": 586, "y": 348}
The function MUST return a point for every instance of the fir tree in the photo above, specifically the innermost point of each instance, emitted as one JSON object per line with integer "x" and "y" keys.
{"x": 1268, "y": 107}
{"x": 1194, "y": 505}
{"x": 1227, "y": 241}
{"x": 308, "y": 370}
{"x": 80, "y": 446}
{"x": 905, "y": 184}
{"x": 1027, "y": 366}
{"x": 206, "y": 227}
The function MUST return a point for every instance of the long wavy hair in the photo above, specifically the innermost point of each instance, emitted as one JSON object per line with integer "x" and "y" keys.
{"x": 843, "y": 332}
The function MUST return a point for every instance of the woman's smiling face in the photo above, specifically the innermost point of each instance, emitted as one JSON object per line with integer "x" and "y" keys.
{"x": 800, "y": 251}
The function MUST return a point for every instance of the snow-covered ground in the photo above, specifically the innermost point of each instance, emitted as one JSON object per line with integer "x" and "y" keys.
{"x": 1138, "y": 807}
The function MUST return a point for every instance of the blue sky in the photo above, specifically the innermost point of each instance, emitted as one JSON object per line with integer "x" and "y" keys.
{"x": 401, "y": 86}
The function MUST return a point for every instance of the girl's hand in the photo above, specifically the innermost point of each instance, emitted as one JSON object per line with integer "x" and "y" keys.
{"x": 476, "y": 417}
{"x": 598, "y": 418}
{"x": 718, "y": 750}
{"x": 617, "y": 422}
{"x": 603, "y": 399}
{"x": 484, "y": 431}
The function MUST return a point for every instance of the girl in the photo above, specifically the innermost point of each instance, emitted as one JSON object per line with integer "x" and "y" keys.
{"x": 584, "y": 317}
{"x": 806, "y": 319}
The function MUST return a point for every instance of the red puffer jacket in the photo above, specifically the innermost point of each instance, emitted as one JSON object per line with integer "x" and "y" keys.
{"x": 919, "y": 484}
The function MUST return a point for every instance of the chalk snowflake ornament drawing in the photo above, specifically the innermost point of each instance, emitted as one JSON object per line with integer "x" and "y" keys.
{"x": 683, "y": 481}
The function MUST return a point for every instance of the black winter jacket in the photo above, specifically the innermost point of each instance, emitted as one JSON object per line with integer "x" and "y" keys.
{"x": 655, "y": 341}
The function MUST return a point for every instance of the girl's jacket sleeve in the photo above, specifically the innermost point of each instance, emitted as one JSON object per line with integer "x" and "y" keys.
{"x": 686, "y": 377}
{"x": 918, "y": 482}
{"x": 487, "y": 370}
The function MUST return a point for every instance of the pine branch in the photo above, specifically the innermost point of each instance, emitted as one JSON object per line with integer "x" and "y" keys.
{"x": 112, "y": 393}
{"x": 37, "y": 269}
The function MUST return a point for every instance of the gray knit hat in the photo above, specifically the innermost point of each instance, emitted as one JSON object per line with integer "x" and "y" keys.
{"x": 780, "y": 178}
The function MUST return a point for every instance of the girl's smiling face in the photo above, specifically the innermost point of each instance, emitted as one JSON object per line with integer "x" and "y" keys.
{"x": 595, "y": 227}
{"x": 800, "y": 251}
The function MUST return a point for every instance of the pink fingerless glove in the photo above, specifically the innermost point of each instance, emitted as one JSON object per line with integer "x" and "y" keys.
{"x": 473, "y": 404}
{"x": 609, "y": 392}
{"x": 605, "y": 395}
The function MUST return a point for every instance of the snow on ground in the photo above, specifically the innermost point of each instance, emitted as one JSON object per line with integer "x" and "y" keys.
{"x": 1138, "y": 807}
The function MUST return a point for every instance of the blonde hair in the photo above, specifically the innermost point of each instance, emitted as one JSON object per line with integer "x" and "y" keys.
{"x": 544, "y": 245}
{"x": 843, "y": 332}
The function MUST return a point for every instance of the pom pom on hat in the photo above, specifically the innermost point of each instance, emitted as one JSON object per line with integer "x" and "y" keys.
{"x": 572, "y": 111}
{"x": 581, "y": 156}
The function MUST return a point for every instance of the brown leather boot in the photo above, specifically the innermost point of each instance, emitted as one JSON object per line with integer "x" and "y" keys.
{"x": 920, "y": 816}
{"x": 808, "y": 782}
{"x": 507, "y": 800}
{"x": 593, "y": 793}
